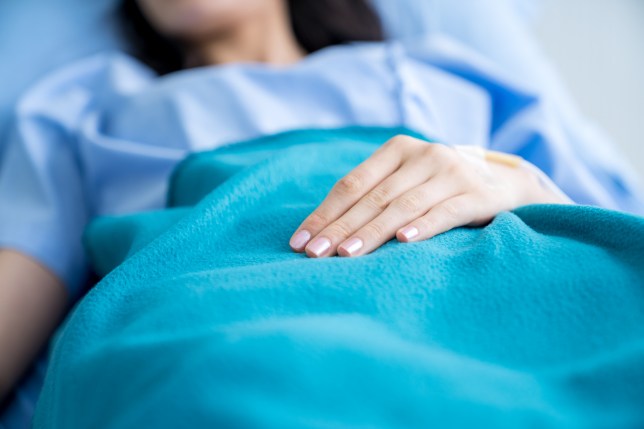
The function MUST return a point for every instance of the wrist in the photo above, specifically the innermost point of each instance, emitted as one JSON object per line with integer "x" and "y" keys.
{"x": 544, "y": 190}
{"x": 530, "y": 185}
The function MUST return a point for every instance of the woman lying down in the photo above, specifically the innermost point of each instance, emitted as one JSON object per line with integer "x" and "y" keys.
{"x": 457, "y": 143}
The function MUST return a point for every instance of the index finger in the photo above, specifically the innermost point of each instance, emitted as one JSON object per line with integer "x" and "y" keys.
{"x": 347, "y": 192}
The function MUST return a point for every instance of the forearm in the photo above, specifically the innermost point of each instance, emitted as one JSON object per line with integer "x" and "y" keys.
{"x": 32, "y": 303}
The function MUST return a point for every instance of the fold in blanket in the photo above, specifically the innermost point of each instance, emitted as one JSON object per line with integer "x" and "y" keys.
{"x": 207, "y": 319}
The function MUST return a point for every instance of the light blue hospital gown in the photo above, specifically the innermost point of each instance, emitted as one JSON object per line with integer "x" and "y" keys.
{"x": 103, "y": 136}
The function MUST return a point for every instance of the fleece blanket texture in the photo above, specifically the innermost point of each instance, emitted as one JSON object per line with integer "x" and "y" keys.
{"x": 207, "y": 319}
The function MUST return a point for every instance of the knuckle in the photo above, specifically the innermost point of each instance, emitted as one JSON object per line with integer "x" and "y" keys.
{"x": 375, "y": 230}
{"x": 338, "y": 229}
{"x": 441, "y": 153}
{"x": 409, "y": 202}
{"x": 317, "y": 221}
{"x": 401, "y": 141}
{"x": 398, "y": 140}
{"x": 428, "y": 151}
{"x": 425, "y": 223}
{"x": 377, "y": 198}
{"x": 457, "y": 169}
{"x": 450, "y": 209}
{"x": 434, "y": 148}
{"x": 351, "y": 184}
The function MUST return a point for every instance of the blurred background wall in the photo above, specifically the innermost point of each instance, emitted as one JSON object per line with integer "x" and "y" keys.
{"x": 598, "y": 47}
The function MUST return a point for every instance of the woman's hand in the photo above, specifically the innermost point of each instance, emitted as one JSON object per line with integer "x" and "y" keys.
{"x": 413, "y": 190}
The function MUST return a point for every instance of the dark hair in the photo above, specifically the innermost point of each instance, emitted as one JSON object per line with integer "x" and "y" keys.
{"x": 317, "y": 24}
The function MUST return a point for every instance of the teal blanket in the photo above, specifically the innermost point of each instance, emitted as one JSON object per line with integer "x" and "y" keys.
{"x": 207, "y": 319}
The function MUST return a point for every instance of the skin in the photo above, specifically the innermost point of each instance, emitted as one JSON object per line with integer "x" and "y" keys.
{"x": 227, "y": 31}
{"x": 405, "y": 183}
{"x": 413, "y": 190}
{"x": 32, "y": 303}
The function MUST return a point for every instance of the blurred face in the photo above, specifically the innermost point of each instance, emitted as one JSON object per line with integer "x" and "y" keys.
{"x": 192, "y": 20}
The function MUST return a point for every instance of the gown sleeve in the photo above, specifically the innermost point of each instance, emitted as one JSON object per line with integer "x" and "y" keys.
{"x": 532, "y": 116}
{"x": 44, "y": 199}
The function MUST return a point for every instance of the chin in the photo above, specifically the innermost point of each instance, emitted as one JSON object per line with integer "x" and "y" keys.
{"x": 190, "y": 19}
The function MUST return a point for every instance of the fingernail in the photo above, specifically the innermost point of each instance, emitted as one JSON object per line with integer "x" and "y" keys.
{"x": 350, "y": 247}
{"x": 319, "y": 246}
{"x": 300, "y": 239}
{"x": 409, "y": 232}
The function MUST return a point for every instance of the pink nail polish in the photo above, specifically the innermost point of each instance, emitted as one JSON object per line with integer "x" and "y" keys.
{"x": 319, "y": 246}
{"x": 409, "y": 232}
{"x": 350, "y": 247}
{"x": 300, "y": 239}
